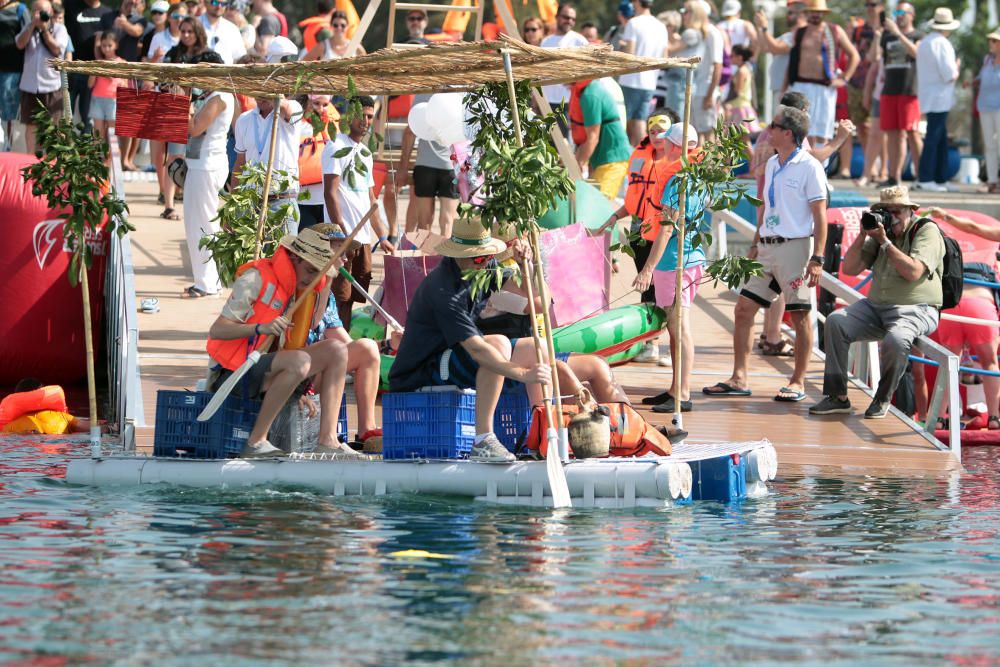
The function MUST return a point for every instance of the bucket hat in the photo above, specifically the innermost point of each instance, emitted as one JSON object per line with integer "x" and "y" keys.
{"x": 310, "y": 245}
{"x": 469, "y": 239}
{"x": 897, "y": 195}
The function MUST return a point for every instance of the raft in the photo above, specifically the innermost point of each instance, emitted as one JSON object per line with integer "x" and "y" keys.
{"x": 723, "y": 472}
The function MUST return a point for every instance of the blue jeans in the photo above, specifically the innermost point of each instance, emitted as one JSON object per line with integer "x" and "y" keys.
{"x": 79, "y": 98}
{"x": 934, "y": 159}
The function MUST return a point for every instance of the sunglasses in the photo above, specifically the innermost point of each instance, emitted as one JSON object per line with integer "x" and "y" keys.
{"x": 566, "y": 18}
{"x": 156, "y": 11}
{"x": 218, "y": 3}
{"x": 775, "y": 125}
{"x": 482, "y": 259}
{"x": 415, "y": 18}
{"x": 339, "y": 26}
{"x": 531, "y": 30}
{"x": 177, "y": 17}
{"x": 872, "y": 4}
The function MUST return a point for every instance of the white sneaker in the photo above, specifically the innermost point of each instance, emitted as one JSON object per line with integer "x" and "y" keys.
{"x": 650, "y": 353}
{"x": 491, "y": 450}
{"x": 341, "y": 452}
{"x": 930, "y": 186}
{"x": 261, "y": 450}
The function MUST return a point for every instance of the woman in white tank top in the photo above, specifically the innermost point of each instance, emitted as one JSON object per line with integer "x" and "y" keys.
{"x": 336, "y": 46}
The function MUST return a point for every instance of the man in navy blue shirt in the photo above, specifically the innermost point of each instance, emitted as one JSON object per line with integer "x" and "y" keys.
{"x": 444, "y": 346}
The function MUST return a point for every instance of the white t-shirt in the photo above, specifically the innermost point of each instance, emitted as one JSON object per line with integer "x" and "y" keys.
{"x": 736, "y": 29}
{"x": 779, "y": 64}
{"x": 355, "y": 199}
{"x": 796, "y": 185}
{"x": 225, "y": 39}
{"x": 649, "y": 36}
{"x": 710, "y": 50}
{"x": 559, "y": 93}
{"x": 208, "y": 151}
{"x": 253, "y": 139}
{"x": 161, "y": 40}
{"x": 937, "y": 71}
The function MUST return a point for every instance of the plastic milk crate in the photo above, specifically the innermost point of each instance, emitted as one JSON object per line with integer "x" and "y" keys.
{"x": 428, "y": 424}
{"x": 723, "y": 478}
{"x": 179, "y": 433}
{"x": 512, "y": 417}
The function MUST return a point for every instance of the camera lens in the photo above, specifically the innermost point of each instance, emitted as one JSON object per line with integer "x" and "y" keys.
{"x": 44, "y": 15}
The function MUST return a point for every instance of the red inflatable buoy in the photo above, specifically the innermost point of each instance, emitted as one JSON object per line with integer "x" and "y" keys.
{"x": 41, "y": 321}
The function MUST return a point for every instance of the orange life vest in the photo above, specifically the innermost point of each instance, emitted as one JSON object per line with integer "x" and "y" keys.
{"x": 21, "y": 403}
{"x": 576, "y": 127}
{"x": 276, "y": 293}
{"x": 631, "y": 435}
{"x": 663, "y": 171}
{"x": 640, "y": 167}
{"x": 311, "y": 150}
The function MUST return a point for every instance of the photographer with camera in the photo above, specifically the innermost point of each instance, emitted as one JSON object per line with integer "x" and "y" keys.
{"x": 40, "y": 40}
{"x": 902, "y": 303}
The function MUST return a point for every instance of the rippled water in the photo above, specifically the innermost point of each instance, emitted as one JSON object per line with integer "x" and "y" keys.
{"x": 846, "y": 570}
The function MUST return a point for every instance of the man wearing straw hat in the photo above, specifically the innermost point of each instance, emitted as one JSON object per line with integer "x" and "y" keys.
{"x": 902, "y": 302}
{"x": 444, "y": 346}
{"x": 937, "y": 71}
{"x": 257, "y": 309}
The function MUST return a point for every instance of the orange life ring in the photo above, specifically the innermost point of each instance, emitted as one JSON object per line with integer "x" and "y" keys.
{"x": 21, "y": 403}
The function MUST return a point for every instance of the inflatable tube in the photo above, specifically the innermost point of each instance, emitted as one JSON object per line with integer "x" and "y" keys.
{"x": 626, "y": 356}
{"x": 610, "y": 333}
{"x": 23, "y": 402}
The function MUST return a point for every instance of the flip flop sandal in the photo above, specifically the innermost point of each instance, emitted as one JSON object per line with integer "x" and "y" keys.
{"x": 193, "y": 292}
{"x": 150, "y": 305}
{"x": 780, "y": 349}
{"x": 170, "y": 214}
{"x": 786, "y": 395}
{"x": 994, "y": 423}
{"x": 723, "y": 389}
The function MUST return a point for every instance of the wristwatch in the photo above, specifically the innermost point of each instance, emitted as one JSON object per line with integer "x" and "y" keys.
{"x": 817, "y": 259}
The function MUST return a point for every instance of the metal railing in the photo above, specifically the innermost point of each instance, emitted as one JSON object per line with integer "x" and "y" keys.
{"x": 864, "y": 359}
{"x": 122, "y": 326}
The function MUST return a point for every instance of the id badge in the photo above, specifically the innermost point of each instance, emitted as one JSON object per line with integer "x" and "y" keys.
{"x": 771, "y": 221}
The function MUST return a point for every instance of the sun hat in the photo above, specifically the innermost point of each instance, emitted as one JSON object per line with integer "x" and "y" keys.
{"x": 282, "y": 49}
{"x": 994, "y": 35}
{"x": 310, "y": 245}
{"x": 943, "y": 20}
{"x": 160, "y": 6}
{"x": 897, "y": 195}
{"x": 817, "y": 6}
{"x": 731, "y": 8}
{"x": 469, "y": 239}
{"x": 675, "y": 135}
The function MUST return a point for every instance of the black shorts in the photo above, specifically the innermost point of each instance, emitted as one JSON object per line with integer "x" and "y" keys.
{"x": 434, "y": 182}
{"x": 252, "y": 382}
{"x": 454, "y": 366}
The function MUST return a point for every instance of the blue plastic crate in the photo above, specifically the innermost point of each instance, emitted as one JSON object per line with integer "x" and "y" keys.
{"x": 722, "y": 479}
{"x": 179, "y": 433}
{"x": 512, "y": 417}
{"x": 432, "y": 424}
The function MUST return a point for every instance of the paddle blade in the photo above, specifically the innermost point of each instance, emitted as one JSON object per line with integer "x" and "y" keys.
{"x": 222, "y": 394}
{"x": 555, "y": 472}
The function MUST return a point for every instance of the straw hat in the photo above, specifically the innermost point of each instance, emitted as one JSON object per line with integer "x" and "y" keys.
{"x": 995, "y": 35}
{"x": 469, "y": 239}
{"x": 310, "y": 245}
{"x": 817, "y": 6}
{"x": 943, "y": 20}
{"x": 897, "y": 195}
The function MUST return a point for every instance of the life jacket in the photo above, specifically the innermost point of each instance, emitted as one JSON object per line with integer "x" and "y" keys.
{"x": 577, "y": 131}
{"x": 631, "y": 435}
{"x": 663, "y": 171}
{"x": 311, "y": 150}
{"x": 276, "y": 293}
{"x": 21, "y": 403}
{"x": 45, "y": 422}
{"x": 310, "y": 27}
{"x": 640, "y": 164}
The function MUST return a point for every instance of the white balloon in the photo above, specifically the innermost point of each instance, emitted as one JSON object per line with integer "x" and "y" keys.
{"x": 417, "y": 119}
{"x": 451, "y": 134}
{"x": 446, "y": 113}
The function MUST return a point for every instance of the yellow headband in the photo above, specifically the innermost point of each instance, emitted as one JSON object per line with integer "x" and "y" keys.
{"x": 661, "y": 120}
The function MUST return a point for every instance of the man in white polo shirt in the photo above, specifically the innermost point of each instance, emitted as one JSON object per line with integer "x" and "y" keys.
{"x": 223, "y": 36}
{"x": 791, "y": 227}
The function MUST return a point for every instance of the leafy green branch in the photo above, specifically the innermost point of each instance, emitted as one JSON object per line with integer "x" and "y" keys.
{"x": 72, "y": 175}
{"x": 364, "y": 148}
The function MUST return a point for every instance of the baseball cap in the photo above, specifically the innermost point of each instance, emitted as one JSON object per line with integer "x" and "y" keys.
{"x": 675, "y": 135}
{"x": 281, "y": 49}
{"x": 161, "y": 6}
{"x": 626, "y": 9}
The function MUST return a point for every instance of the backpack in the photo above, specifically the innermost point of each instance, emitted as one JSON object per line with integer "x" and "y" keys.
{"x": 952, "y": 271}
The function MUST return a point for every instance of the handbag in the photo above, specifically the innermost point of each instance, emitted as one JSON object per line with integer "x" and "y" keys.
{"x": 151, "y": 114}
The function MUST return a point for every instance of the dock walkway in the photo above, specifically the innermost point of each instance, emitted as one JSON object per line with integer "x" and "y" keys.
{"x": 172, "y": 356}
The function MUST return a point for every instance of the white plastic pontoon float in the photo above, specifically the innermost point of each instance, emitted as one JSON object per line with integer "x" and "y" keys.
{"x": 724, "y": 472}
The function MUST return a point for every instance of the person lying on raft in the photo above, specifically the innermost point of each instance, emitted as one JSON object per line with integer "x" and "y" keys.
{"x": 443, "y": 346}
{"x": 255, "y": 310}
{"x": 363, "y": 358}
{"x": 37, "y": 409}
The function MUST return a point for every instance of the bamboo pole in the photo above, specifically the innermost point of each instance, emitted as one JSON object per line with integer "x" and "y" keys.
{"x": 275, "y": 113}
{"x": 677, "y": 315}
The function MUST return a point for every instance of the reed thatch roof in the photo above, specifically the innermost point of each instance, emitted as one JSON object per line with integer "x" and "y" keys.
{"x": 437, "y": 68}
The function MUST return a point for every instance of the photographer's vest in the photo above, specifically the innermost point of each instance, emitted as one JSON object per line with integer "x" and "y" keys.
{"x": 277, "y": 291}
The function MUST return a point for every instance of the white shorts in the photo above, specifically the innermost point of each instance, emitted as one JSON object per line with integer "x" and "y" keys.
{"x": 822, "y": 107}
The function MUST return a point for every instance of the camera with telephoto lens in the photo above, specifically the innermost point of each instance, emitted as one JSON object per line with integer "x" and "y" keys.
{"x": 873, "y": 218}
{"x": 44, "y": 16}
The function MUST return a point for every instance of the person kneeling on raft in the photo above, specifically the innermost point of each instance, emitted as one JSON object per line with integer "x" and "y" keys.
{"x": 256, "y": 309}
{"x": 443, "y": 346}
{"x": 37, "y": 409}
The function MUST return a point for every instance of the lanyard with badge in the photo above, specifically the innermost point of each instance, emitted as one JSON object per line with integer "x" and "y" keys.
{"x": 772, "y": 220}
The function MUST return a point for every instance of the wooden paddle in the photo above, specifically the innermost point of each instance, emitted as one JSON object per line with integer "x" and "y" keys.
{"x": 227, "y": 387}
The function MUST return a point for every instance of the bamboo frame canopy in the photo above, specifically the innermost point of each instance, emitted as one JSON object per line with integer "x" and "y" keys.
{"x": 444, "y": 67}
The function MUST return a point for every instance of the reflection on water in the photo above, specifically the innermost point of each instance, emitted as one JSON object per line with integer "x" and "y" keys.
{"x": 857, "y": 570}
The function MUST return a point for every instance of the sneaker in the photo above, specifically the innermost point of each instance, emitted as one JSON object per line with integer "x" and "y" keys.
{"x": 491, "y": 450}
{"x": 831, "y": 405}
{"x": 950, "y": 187}
{"x": 877, "y": 410}
{"x": 340, "y": 451}
{"x": 930, "y": 186}
{"x": 888, "y": 183}
{"x": 650, "y": 353}
{"x": 261, "y": 450}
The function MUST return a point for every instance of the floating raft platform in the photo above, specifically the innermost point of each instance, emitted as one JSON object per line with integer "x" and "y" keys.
{"x": 723, "y": 472}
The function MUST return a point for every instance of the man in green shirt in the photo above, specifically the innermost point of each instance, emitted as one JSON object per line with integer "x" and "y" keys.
{"x": 902, "y": 303}
{"x": 597, "y": 130}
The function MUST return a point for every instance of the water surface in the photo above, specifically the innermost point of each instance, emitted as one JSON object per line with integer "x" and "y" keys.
{"x": 826, "y": 570}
